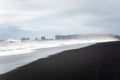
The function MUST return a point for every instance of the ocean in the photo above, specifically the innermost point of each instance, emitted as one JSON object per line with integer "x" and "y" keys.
{"x": 17, "y": 53}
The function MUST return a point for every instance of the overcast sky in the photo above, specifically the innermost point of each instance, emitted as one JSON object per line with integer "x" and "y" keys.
{"x": 49, "y": 17}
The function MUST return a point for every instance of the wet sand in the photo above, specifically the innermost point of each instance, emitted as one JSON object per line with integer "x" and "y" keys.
{"x": 96, "y": 62}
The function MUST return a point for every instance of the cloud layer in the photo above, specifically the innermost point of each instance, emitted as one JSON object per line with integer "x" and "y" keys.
{"x": 61, "y": 16}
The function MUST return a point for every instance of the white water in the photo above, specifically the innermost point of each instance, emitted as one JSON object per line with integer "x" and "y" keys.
{"x": 11, "y": 62}
{"x": 16, "y": 47}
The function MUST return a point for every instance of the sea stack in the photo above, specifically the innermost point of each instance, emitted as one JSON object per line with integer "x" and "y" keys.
{"x": 88, "y": 36}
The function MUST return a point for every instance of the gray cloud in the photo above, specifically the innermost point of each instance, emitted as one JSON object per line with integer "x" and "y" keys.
{"x": 62, "y": 16}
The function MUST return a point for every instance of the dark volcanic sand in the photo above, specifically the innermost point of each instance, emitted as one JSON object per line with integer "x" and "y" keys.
{"x": 96, "y": 62}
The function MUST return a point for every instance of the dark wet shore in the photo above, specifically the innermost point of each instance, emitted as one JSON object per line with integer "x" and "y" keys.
{"x": 97, "y": 62}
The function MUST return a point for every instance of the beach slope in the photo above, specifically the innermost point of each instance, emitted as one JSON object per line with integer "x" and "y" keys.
{"x": 97, "y": 62}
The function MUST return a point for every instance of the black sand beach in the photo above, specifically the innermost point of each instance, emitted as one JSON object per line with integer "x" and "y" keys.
{"x": 97, "y": 62}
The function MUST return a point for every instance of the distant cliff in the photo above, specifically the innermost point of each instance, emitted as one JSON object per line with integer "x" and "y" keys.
{"x": 87, "y": 36}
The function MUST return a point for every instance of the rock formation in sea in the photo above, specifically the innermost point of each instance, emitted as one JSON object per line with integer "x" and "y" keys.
{"x": 87, "y": 36}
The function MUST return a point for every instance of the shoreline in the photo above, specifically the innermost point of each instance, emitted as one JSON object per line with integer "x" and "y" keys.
{"x": 9, "y": 63}
{"x": 96, "y": 62}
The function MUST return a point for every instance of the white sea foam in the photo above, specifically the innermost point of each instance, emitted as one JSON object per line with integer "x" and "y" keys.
{"x": 14, "y": 53}
{"x": 14, "y": 47}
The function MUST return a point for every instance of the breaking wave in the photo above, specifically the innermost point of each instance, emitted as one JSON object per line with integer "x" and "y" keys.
{"x": 14, "y": 47}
